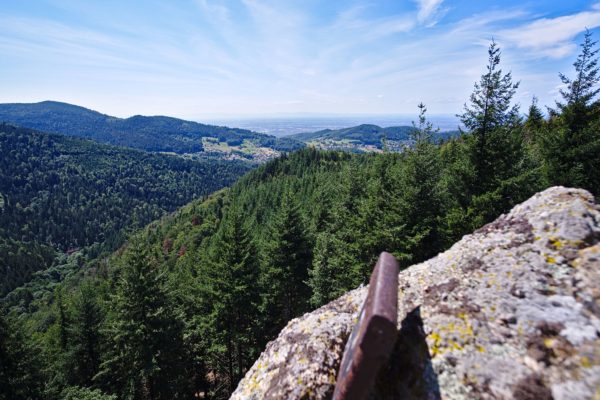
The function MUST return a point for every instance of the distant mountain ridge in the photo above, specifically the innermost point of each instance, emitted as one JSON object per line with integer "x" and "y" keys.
{"x": 150, "y": 133}
{"x": 365, "y": 135}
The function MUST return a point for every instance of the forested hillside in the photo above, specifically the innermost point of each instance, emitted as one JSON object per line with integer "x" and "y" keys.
{"x": 367, "y": 135}
{"x": 60, "y": 193}
{"x": 184, "y": 309}
{"x": 158, "y": 133}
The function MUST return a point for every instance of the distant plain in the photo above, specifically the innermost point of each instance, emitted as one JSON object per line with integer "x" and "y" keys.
{"x": 289, "y": 125}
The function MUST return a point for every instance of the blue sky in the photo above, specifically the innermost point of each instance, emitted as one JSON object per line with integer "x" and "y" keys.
{"x": 203, "y": 59}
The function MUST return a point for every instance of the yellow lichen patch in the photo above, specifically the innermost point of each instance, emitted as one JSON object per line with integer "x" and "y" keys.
{"x": 550, "y": 259}
{"x": 466, "y": 330}
{"x": 480, "y": 348}
{"x": 435, "y": 346}
{"x": 455, "y": 345}
{"x": 556, "y": 243}
{"x": 585, "y": 362}
{"x": 459, "y": 333}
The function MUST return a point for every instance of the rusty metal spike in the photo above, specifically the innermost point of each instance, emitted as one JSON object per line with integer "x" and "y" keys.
{"x": 374, "y": 334}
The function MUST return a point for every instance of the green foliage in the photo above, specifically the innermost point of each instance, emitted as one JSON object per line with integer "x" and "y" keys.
{"x": 187, "y": 305}
{"x": 158, "y": 133}
{"x": 369, "y": 135}
{"x": 68, "y": 193}
{"x": 503, "y": 170}
{"x": 20, "y": 369}
{"x": 144, "y": 357}
{"x": 84, "y": 352}
{"x": 231, "y": 280}
{"x": 288, "y": 257}
{"x": 83, "y": 393}
{"x": 570, "y": 144}
{"x": 490, "y": 119}
{"x": 534, "y": 123}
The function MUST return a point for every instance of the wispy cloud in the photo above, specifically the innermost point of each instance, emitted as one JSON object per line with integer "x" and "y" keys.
{"x": 552, "y": 37}
{"x": 268, "y": 56}
{"x": 430, "y": 11}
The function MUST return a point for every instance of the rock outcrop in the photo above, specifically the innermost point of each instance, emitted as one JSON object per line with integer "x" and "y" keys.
{"x": 509, "y": 312}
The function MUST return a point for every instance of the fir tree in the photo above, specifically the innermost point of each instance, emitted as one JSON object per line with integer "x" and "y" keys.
{"x": 84, "y": 350}
{"x": 63, "y": 319}
{"x": 571, "y": 144}
{"x": 232, "y": 286}
{"x": 488, "y": 117}
{"x": 20, "y": 370}
{"x": 421, "y": 193}
{"x": 330, "y": 275}
{"x": 287, "y": 261}
{"x": 581, "y": 91}
{"x": 534, "y": 122}
{"x": 144, "y": 355}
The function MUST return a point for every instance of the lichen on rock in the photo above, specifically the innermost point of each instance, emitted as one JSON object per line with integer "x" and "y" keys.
{"x": 510, "y": 311}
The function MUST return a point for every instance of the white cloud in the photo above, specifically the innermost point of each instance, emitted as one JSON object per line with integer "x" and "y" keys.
{"x": 351, "y": 27}
{"x": 218, "y": 11}
{"x": 552, "y": 37}
{"x": 428, "y": 9}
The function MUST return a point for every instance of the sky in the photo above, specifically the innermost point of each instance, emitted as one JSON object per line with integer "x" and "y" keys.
{"x": 205, "y": 59}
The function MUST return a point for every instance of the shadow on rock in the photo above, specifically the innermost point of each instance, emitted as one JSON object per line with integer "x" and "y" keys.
{"x": 409, "y": 373}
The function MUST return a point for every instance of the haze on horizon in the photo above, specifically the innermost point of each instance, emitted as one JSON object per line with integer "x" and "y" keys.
{"x": 203, "y": 59}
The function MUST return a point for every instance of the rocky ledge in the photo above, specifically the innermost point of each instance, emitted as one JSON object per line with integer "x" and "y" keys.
{"x": 511, "y": 311}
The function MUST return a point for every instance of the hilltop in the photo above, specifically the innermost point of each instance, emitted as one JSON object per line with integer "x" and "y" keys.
{"x": 365, "y": 137}
{"x": 150, "y": 133}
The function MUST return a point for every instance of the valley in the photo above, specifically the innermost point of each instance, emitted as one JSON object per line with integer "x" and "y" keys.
{"x": 155, "y": 134}
{"x": 150, "y": 257}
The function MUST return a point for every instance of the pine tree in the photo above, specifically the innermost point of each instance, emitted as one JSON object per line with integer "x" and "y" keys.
{"x": 504, "y": 172}
{"x": 63, "y": 319}
{"x": 330, "y": 275}
{"x": 381, "y": 225}
{"x": 336, "y": 265}
{"x": 144, "y": 355}
{"x": 287, "y": 261}
{"x": 20, "y": 370}
{"x": 571, "y": 144}
{"x": 581, "y": 91}
{"x": 232, "y": 286}
{"x": 534, "y": 122}
{"x": 489, "y": 118}
{"x": 457, "y": 175}
{"x": 84, "y": 349}
{"x": 421, "y": 191}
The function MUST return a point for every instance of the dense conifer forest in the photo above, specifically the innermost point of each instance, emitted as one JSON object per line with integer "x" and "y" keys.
{"x": 156, "y": 133}
{"x": 63, "y": 194}
{"x": 185, "y": 308}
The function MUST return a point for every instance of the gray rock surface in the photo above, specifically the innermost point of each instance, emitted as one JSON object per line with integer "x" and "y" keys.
{"x": 509, "y": 312}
